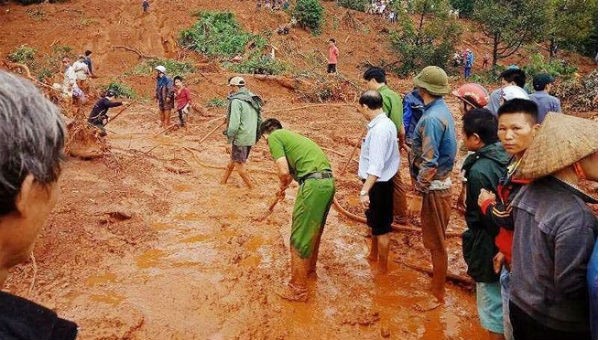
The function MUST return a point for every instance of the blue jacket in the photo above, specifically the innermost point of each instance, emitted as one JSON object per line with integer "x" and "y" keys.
{"x": 413, "y": 110}
{"x": 434, "y": 146}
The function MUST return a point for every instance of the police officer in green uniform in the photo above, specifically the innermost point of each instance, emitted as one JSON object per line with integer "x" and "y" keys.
{"x": 299, "y": 158}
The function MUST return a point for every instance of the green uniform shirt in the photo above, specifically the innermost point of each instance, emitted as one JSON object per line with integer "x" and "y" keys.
{"x": 303, "y": 155}
{"x": 242, "y": 119}
{"x": 392, "y": 105}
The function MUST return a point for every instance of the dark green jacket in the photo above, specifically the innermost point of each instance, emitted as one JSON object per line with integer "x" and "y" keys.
{"x": 483, "y": 169}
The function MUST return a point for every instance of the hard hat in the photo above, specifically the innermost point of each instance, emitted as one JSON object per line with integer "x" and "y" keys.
{"x": 161, "y": 69}
{"x": 237, "y": 81}
{"x": 434, "y": 80}
{"x": 512, "y": 92}
{"x": 472, "y": 94}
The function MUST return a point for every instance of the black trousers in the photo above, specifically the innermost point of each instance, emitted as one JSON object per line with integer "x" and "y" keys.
{"x": 381, "y": 209}
{"x": 527, "y": 328}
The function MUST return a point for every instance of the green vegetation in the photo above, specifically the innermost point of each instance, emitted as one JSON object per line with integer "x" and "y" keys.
{"x": 217, "y": 34}
{"x": 23, "y": 54}
{"x": 216, "y": 102}
{"x": 173, "y": 67}
{"x": 464, "y": 6}
{"x": 310, "y": 15}
{"x": 358, "y": 5}
{"x": 259, "y": 65}
{"x": 555, "y": 67}
{"x": 429, "y": 42}
{"x": 121, "y": 89}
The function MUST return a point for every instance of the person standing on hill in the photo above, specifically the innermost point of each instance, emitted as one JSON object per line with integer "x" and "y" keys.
{"x": 145, "y": 6}
{"x": 392, "y": 106}
{"x": 483, "y": 169}
{"x": 469, "y": 60}
{"x": 243, "y": 121}
{"x": 555, "y": 231}
{"x": 299, "y": 158}
{"x": 511, "y": 76}
{"x": 431, "y": 162}
{"x": 88, "y": 61}
{"x": 542, "y": 83}
{"x": 378, "y": 164}
{"x": 332, "y": 57}
{"x": 182, "y": 99}
{"x": 165, "y": 95}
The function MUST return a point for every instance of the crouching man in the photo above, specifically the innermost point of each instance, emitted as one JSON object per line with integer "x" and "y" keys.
{"x": 299, "y": 158}
{"x": 32, "y": 135}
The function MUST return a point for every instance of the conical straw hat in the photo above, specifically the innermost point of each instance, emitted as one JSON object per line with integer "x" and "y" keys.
{"x": 561, "y": 141}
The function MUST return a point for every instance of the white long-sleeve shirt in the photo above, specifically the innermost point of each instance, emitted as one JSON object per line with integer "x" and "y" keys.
{"x": 379, "y": 153}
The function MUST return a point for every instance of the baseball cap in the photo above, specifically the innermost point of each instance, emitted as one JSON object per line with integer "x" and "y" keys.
{"x": 512, "y": 91}
{"x": 540, "y": 81}
{"x": 237, "y": 81}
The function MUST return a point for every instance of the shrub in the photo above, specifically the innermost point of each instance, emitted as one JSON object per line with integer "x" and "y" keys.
{"x": 173, "y": 67}
{"x": 555, "y": 67}
{"x": 121, "y": 89}
{"x": 310, "y": 15}
{"x": 259, "y": 65}
{"x": 22, "y": 54}
{"x": 217, "y": 34}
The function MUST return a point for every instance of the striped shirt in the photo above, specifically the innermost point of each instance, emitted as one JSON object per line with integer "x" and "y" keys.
{"x": 379, "y": 154}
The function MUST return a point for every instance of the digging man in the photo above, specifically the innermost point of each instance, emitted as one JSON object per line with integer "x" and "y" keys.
{"x": 99, "y": 115}
{"x": 243, "y": 120}
{"x": 33, "y": 136}
{"x": 299, "y": 158}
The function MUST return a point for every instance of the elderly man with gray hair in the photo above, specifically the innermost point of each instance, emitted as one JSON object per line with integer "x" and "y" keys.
{"x": 32, "y": 134}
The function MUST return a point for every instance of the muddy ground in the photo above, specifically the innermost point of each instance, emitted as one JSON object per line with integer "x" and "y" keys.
{"x": 145, "y": 244}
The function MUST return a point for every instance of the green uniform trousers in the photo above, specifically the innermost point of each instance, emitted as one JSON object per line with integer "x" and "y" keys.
{"x": 310, "y": 213}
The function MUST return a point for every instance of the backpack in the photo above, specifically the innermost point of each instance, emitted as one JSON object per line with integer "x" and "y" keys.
{"x": 413, "y": 110}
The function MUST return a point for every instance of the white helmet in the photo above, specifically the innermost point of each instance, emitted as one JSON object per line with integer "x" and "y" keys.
{"x": 512, "y": 92}
{"x": 161, "y": 69}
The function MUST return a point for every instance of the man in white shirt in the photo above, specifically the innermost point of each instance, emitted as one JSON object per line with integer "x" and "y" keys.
{"x": 379, "y": 162}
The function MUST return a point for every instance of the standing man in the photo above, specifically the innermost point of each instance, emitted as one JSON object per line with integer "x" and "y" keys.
{"x": 165, "y": 95}
{"x": 182, "y": 99}
{"x": 30, "y": 162}
{"x": 431, "y": 161}
{"x": 555, "y": 232}
{"x": 379, "y": 162}
{"x": 392, "y": 106}
{"x": 81, "y": 72}
{"x": 332, "y": 57}
{"x": 145, "y": 5}
{"x": 511, "y": 76}
{"x": 516, "y": 129}
{"x": 243, "y": 121}
{"x": 99, "y": 115}
{"x": 469, "y": 60}
{"x": 483, "y": 169}
{"x": 88, "y": 62}
{"x": 542, "y": 83}
{"x": 301, "y": 159}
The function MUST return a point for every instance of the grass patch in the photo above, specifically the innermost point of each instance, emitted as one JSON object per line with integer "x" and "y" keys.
{"x": 121, "y": 89}
{"x": 173, "y": 67}
{"x": 22, "y": 54}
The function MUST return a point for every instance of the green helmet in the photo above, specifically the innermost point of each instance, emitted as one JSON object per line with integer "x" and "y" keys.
{"x": 434, "y": 80}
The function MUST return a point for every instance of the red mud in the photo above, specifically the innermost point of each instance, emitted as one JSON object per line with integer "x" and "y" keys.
{"x": 144, "y": 244}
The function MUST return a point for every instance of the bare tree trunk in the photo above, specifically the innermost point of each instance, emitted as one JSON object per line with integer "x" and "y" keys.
{"x": 495, "y": 50}
{"x": 419, "y": 30}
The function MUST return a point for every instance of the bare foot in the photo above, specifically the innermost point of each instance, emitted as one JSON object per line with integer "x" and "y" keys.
{"x": 293, "y": 293}
{"x": 430, "y": 304}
